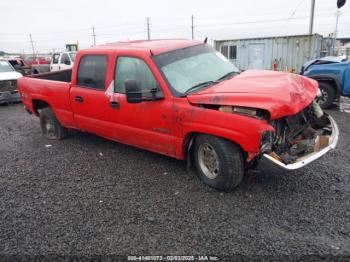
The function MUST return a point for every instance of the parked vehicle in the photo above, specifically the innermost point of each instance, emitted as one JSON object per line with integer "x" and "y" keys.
{"x": 34, "y": 60}
{"x": 38, "y": 64}
{"x": 333, "y": 76}
{"x": 62, "y": 61}
{"x": 183, "y": 99}
{"x": 8, "y": 83}
{"x": 20, "y": 66}
{"x": 59, "y": 61}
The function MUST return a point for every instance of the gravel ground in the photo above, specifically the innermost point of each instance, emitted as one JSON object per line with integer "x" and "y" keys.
{"x": 87, "y": 196}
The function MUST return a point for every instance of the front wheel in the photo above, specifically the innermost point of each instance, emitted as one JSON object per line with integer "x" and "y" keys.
{"x": 218, "y": 162}
{"x": 328, "y": 95}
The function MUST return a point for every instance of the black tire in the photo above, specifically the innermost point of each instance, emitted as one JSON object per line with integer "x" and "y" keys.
{"x": 230, "y": 171}
{"x": 50, "y": 127}
{"x": 328, "y": 95}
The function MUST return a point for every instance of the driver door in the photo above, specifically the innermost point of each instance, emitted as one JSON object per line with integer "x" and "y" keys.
{"x": 147, "y": 124}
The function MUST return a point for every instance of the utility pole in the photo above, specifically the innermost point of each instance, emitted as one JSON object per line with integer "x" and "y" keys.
{"x": 312, "y": 14}
{"x": 338, "y": 13}
{"x": 148, "y": 28}
{"x": 311, "y": 25}
{"x": 192, "y": 26}
{"x": 93, "y": 34}
{"x": 32, "y": 43}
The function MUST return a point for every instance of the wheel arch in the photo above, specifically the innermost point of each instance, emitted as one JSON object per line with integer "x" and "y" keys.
{"x": 188, "y": 141}
{"x": 38, "y": 104}
{"x": 332, "y": 79}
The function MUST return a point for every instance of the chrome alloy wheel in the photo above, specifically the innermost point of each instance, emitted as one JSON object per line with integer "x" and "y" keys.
{"x": 208, "y": 161}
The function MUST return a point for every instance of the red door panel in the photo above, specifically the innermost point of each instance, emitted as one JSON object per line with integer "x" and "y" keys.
{"x": 90, "y": 110}
{"x": 147, "y": 124}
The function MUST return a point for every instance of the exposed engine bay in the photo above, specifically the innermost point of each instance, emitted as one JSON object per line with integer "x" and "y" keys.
{"x": 297, "y": 136}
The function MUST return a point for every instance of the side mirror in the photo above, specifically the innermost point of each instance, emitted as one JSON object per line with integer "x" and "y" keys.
{"x": 340, "y": 3}
{"x": 67, "y": 62}
{"x": 133, "y": 91}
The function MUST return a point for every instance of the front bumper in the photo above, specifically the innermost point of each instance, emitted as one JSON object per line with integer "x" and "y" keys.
{"x": 269, "y": 163}
{"x": 9, "y": 96}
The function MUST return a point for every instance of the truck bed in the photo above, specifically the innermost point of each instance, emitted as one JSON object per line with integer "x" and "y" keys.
{"x": 61, "y": 76}
{"x": 52, "y": 88}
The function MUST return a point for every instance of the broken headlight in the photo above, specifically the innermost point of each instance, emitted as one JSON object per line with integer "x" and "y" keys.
{"x": 266, "y": 141}
{"x": 246, "y": 111}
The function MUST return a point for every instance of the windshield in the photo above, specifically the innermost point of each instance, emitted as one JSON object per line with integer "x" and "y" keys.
{"x": 72, "y": 56}
{"x": 196, "y": 66}
{"x": 5, "y": 67}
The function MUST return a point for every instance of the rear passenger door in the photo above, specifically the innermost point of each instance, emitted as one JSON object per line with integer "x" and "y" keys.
{"x": 88, "y": 99}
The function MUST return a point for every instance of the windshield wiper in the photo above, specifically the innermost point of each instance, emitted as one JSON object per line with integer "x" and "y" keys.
{"x": 200, "y": 85}
{"x": 227, "y": 75}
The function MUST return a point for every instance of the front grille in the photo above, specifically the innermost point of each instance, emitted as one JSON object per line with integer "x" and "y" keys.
{"x": 8, "y": 85}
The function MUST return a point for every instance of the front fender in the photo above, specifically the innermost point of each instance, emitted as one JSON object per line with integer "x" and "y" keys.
{"x": 328, "y": 77}
{"x": 243, "y": 130}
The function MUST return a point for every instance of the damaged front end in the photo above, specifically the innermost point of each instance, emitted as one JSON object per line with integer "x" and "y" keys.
{"x": 298, "y": 139}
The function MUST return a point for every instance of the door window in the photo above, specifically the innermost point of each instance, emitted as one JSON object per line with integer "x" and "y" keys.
{"x": 55, "y": 58}
{"x": 131, "y": 68}
{"x": 65, "y": 59}
{"x": 224, "y": 51}
{"x": 233, "y": 52}
{"x": 92, "y": 71}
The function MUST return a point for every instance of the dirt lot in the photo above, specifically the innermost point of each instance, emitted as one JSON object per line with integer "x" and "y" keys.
{"x": 87, "y": 196}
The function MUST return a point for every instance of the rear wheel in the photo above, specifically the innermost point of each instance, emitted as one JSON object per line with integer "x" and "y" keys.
{"x": 50, "y": 126}
{"x": 328, "y": 95}
{"x": 218, "y": 162}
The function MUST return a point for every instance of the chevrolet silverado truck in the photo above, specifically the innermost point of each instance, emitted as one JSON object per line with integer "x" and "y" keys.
{"x": 183, "y": 99}
{"x": 333, "y": 76}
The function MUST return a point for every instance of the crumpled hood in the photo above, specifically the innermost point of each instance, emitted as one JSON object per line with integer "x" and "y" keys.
{"x": 279, "y": 93}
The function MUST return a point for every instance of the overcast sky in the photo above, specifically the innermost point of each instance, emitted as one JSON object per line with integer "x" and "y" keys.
{"x": 53, "y": 23}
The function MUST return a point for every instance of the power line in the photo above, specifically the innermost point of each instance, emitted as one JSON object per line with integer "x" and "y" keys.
{"x": 71, "y": 31}
{"x": 292, "y": 14}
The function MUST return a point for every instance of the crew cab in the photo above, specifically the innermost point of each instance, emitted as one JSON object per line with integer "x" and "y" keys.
{"x": 183, "y": 99}
{"x": 333, "y": 76}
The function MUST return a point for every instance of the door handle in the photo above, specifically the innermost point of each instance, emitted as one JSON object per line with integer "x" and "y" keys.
{"x": 114, "y": 104}
{"x": 79, "y": 99}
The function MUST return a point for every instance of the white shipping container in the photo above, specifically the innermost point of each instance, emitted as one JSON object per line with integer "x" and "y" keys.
{"x": 289, "y": 53}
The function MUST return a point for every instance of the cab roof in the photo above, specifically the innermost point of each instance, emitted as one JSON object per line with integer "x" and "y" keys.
{"x": 154, "y": 46}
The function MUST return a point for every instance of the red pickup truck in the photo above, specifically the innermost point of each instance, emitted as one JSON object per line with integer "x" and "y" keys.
{"x": 183, "y": 99}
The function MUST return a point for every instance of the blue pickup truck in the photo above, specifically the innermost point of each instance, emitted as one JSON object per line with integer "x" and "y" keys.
{"x": 333, "y": 76}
